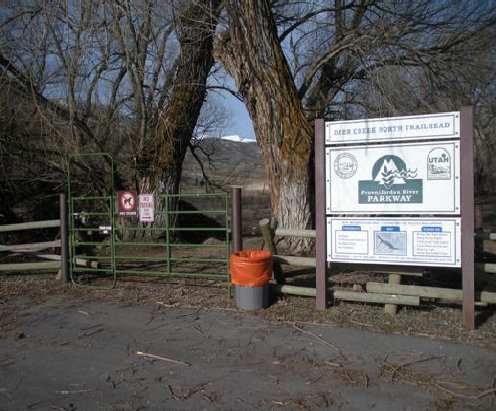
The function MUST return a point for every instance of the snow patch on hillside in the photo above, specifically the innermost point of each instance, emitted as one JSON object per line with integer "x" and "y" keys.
{"x": 236, "y": 138}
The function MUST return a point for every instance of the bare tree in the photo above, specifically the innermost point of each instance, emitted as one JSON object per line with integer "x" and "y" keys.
{"x": 120, "y": 76}
{"x": 312, "y": 59}
{"x": 255, "y": 59}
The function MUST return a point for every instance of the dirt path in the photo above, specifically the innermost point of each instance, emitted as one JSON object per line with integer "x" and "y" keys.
{"x": 67, "y": 353}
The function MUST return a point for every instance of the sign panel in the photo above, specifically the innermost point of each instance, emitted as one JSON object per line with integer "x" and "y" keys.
{"x": 146, "y": 208}
{"x": 394, "y": 241}
{"x": 411, "y": 178}
{"x": 126, "y": 203}
{"x": 426, "y": 127}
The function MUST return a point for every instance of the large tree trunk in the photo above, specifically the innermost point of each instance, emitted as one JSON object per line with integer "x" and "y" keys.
{"x": 159, "y": 166}
{"x": 251, "y": 53}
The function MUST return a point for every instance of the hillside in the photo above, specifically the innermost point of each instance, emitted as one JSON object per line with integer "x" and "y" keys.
{"x": 231, "y": 163}
{"x": 226, "y": 163}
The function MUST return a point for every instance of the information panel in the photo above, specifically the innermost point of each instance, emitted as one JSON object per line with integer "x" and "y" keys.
{"x": 411, "y": 178}
{"x": 426, "y": 127}
{"x": 402, "y": 241}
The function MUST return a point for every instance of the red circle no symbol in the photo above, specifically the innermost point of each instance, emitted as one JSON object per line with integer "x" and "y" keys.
{"x": 128, "y": 201}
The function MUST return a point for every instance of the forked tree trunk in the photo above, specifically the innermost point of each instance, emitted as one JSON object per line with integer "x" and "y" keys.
{"x": 251, "y": 53}
{"x": 160, "y": 165}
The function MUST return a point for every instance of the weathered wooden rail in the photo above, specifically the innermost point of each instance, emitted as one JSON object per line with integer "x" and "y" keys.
{"x": 31, "y": 248}
{"x": 30, "y": 225}
{"x": 390, "y": 294}
{"x": 57, "y": 261}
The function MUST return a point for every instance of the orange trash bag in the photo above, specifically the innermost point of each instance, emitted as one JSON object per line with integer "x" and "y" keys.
{"x": 251, "y": 268}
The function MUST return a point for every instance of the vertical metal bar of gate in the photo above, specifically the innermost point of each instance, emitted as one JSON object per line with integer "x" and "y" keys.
{"x": 92, "y": 262}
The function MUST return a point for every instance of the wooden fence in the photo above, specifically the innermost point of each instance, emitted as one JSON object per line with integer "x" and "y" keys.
{"x": 57, "y": 261}
{"x": 390, "y": 294}
{"x": 32, "y": 249}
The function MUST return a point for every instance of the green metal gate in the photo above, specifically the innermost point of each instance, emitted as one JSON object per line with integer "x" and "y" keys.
{"x": 188, "y": 238}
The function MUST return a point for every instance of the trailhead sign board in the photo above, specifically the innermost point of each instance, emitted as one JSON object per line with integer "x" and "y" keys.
{"x": 407, "y": 166}
{"x": 396, "y": 191}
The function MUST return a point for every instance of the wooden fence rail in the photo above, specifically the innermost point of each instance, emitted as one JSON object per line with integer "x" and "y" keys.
{"x": 29, "y": 226}
{"x": 484, "y": 235}
{"x": 390, "y": 294}
{"x": 20, "y": 248}
{"x": 31, "y": 248}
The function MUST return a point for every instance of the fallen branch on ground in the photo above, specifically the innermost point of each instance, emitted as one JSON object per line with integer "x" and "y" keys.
{"x": 157, "y": 357}
{"x": 320, "y": 339}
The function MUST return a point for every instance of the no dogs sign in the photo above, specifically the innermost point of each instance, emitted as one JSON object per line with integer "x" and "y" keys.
{"x": 126, "y": 203}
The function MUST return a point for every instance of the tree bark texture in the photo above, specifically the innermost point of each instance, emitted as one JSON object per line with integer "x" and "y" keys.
{"x": 251, "y": 53}
{"x": 159, "y": 165}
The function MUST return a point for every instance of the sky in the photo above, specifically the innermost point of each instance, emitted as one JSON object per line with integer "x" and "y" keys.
{"x": 239, "y": 122}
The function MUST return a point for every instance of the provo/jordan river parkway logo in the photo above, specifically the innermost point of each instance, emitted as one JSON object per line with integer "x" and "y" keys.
{"x": 392, "y": 182}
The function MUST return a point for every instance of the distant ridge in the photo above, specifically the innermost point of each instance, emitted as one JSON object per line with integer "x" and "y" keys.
{"x": 236, "y": 138}
{"x": 226, "y": 160}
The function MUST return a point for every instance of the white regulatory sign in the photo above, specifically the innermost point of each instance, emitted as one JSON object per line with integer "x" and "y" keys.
{"x": 395, "y": 241}
{"x": 146, "y": 208}
{"x": 402, "y": 178}
{"x": 426, "y": 127}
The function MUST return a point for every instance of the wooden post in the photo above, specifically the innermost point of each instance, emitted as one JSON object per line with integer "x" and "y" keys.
{"x": 236, "y": 227}
{"x": 64, "y": 238}
{"x": 392, "y": 308}
{"x": 478, "y": 218}
{"x": 320, "y": 217}
{"x": 467, "y": 214}
{"x": 268, "y": 236}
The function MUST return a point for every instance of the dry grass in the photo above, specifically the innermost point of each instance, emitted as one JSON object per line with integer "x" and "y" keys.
{"x": 449, "y": 384}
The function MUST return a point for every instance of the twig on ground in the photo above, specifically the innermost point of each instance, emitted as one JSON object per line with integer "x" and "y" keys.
{"x": 466, "y": 397}
{"x": 333, "y": 364}
{"x": 189, "y": 393}
{"x": 68, "y": 392}
{"x": 171, "y": 392}
{"x": 157, "y": 357}
{"x": 320, "y": 339}
{"x": 88, "y": 334}
{"x": 196, "y": 312}
{"x": 90, "y": 327}
{"x": 359, "y": 323}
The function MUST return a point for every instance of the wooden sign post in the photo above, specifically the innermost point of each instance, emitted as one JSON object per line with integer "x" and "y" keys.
{"x": 396, "y": 191}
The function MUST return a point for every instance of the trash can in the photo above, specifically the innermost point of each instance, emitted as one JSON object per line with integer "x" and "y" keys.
{"x": 250, "y": 273}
